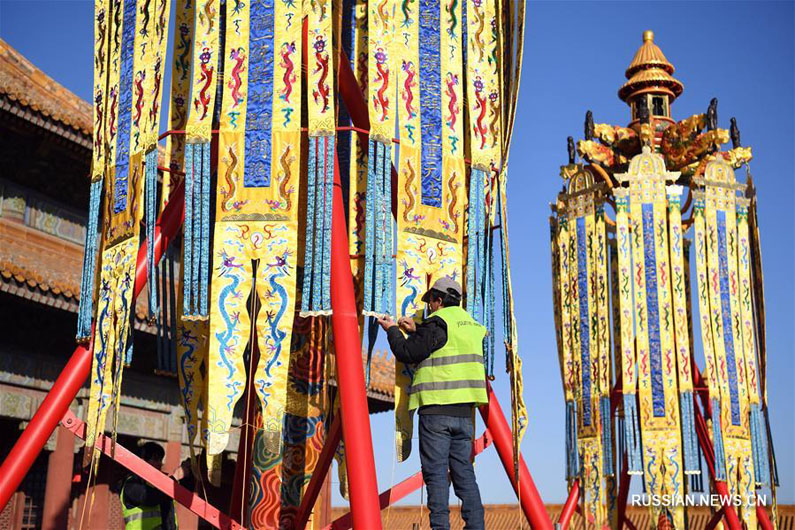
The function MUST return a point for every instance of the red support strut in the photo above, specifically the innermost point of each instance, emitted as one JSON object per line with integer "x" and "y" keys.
{"x": 532, "y": 505}
{"x": 350, "y": 375}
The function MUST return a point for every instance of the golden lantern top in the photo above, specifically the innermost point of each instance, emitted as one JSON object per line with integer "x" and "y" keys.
{"x": 650, "y": 75}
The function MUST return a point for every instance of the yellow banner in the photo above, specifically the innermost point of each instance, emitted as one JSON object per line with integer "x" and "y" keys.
{"x": 182, "y": 55}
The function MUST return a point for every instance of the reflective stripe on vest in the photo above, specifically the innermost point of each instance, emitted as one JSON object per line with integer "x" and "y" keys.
{"x": 140, "y": 517}
{"x": 454, "y": 373}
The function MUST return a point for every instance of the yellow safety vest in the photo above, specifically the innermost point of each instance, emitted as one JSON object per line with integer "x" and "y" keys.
{"x": 454, "y": 373}
{"x": 140, "y": 517}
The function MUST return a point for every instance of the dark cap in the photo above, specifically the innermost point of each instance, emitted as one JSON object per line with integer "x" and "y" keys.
{"x": 444, "y": 285}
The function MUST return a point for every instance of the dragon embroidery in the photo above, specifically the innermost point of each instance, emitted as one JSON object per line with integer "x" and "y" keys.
{"x": 154, "y": 111}
{"x": 381, "y": 100}
{"x": 228, "y": 204}
{"x": 452, "y": 186}
{"x": 451, "y": 83}
{"x": 235, "y": 82}
{"x": 139, "y": 100}
{"x": 480, "y": 106}
{"x": 321, "y": 58}
{"x": 203, "y": 100}
{"x": 408, "y": 84}
{"x": 408, "y": 203}
{"x": 288, "y": 48}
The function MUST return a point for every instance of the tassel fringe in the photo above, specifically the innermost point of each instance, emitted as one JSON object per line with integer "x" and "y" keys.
{"x": 632, "y": 435}
{"x": 759, "y": 446}
{"x": 717, "y": 442}
{"x": 607, "y": 435}
{"x": 689, "y": 441}
{"x": 195, "y": 268}
{"x": 379, "y": 280}
{"x": 316, "y": 296}
{"x": 150, "y": 193}
{"x": 572, "y": 463}
{"x": 85, "y": 313}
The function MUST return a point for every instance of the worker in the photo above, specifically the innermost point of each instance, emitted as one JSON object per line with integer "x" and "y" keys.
{"x": 143, "y": 506}
{"x": 449, "y": 380}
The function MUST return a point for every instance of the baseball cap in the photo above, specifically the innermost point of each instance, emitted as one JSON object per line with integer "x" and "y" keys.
{"x": 444, "y": 284}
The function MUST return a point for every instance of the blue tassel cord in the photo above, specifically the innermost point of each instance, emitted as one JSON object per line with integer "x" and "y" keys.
{"x": 607, "y": 436}
{"x": 572, "y": 461}
{"x": 379, "y": 281}
{"x": 150, "y": 202}
{"x": 632, "y": 435}
{"x": 689, "y": 441}
{"x": 187, "y": 268}
{"x": 369, "y": 239}
{"x": 476, "y": 245}
{"x": 204, "y": 265}
{"x": 196, "y": 274}
{"x": 85, "y": 313}
{"x": 311, "y": 192}
{"x": 717, "y": 442}
{"x": 759, "y": 446}
{"x": 198, "y": 172}
{"x": 316, "y": 296}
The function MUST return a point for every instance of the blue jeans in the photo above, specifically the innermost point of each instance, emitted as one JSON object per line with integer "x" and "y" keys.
{"x": 446, "y": 444}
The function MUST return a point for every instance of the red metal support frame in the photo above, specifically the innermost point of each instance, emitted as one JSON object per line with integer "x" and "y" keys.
{"x": 404, "y": 488}
{"x": 532, "y": 505}
{"x": 153, "y": 476}
{"x": 77, "y": 369}
{"x": 350, "y": 373}
{"x": 567, "y": 512}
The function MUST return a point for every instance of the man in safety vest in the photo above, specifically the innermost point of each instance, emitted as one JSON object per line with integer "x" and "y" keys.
{"x": 449, "y": 381}
{"x": 143, "y": 506}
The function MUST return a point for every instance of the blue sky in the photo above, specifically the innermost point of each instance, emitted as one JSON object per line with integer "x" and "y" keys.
{"x": 575, "y": 57}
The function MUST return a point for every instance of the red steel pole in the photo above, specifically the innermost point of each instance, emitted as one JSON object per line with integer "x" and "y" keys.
{"x": 405, "y": 487}
{"x": 350, "y": 375}
{"x": 571, "y": 505}
{"x": 65, "y": 388}
{"x": 154, "y": 476}
{"x": 532, "y": 505}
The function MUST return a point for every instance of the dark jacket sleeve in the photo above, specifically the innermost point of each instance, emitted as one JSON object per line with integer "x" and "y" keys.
{"x": 138, "y": 493}
{"x": 418, "y": 346}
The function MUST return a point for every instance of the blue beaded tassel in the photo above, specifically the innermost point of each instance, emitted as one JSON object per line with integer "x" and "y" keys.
{"x": 379, "y": 280}
{"x": 316, "y": 295}
{"x": 607, "y": 435}
{"x": 187, "y": 268}
{"x": 150, "y": 202}
{"x": 85, "y": 312}
{"x": 689, "y": 440}
{"x": 572, "y": 460}
{"x": 632, "y": 435}
{"x": 476, "y": 245}
{"x": 759, "y": 446}
{"x": 717, "y": 441}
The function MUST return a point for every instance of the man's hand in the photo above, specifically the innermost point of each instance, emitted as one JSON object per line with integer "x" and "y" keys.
{"x": 386, "y": 322}
{"x": 407, "y": 324}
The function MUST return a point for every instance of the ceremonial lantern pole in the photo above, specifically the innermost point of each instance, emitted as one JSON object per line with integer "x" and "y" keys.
{"x": 654, "y": 172}
{"x": 65, "y": 388}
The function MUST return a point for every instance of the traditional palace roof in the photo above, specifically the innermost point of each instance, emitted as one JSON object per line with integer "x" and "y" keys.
{"x": 650, "y": 69}
{"x": 27, "y": 86}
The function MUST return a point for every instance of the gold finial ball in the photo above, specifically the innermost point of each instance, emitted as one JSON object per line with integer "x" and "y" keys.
{"x": 648, "y": 36}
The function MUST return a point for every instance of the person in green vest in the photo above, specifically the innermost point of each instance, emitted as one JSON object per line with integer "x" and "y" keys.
{"x": 449, "y": 381}
{"x": 143, "y": 506}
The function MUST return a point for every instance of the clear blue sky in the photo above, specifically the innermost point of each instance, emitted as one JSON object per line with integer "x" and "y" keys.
{"x": 575, "y": 57}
